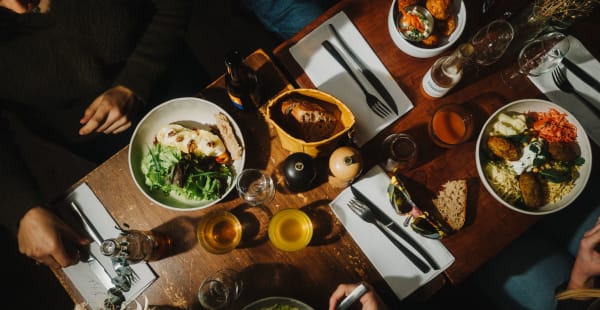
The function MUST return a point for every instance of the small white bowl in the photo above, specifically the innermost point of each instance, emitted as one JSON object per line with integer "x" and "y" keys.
{"x": 422, "y": 52}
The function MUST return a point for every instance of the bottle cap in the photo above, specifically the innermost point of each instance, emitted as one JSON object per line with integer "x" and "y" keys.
{"x": 233, "y": 57}
{"x": 109, "y": 247}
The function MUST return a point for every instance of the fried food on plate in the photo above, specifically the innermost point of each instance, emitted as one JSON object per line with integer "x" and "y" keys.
{"x": 404, "y": 3}
{"x": 531, "y": 190}
{"x": 439, "y": 9}
{"x": 432, "y": 40}
{"x": 564, "y": 151}
{"x": 503, "y": 148}
{"x": 446, "y": 27}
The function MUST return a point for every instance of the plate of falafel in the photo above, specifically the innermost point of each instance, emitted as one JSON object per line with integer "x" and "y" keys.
{"x": 533, "y": 156}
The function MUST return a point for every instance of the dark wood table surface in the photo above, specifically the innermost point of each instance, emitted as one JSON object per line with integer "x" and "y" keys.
{"x": 332, "y": 257}
{"x": 490, "y": 226}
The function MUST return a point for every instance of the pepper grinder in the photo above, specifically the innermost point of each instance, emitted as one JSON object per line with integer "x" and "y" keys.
{"x": 345, "y": 165}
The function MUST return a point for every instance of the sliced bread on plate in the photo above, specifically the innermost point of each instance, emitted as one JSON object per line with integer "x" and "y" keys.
{"x": 451, "y": 203}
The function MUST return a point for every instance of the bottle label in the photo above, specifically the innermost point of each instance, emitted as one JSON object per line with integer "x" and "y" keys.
{"x": 237, "y": 101}
{"x": 431, "y": 88}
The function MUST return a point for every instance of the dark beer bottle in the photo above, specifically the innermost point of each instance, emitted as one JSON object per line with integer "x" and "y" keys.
{"x": 241, "y": 83}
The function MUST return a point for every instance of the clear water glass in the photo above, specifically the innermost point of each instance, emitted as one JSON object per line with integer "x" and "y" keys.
{"x": 220, "y": 289}
{"x": 538, "y": 57}
{"x": 544, "y": 54}
{"x": 492, "y": 41}
{"x": 255, "y": 186}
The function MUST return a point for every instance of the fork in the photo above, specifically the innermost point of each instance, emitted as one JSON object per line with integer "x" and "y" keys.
{"x": 561, "y": 81}
{"x": 367, "y": 215}
{"x": 126, "y": 271}
{"x": 373, "y": 102}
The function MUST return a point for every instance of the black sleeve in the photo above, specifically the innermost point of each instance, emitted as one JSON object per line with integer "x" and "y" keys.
{"x": 155, "y": 48}
{"x": 18, "y": 191}
{"x": 576, "y": 304}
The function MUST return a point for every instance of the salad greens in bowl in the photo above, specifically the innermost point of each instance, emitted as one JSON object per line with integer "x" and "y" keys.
{"x": 186, "y": 153}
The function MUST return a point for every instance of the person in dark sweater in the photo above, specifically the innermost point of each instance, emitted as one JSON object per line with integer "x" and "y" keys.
{"x": 79, "y": 74}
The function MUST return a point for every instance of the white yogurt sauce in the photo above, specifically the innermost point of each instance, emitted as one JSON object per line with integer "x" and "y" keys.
{"x": 525, "y": 163}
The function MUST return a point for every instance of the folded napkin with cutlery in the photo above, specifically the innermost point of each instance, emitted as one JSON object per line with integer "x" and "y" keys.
{"x": 582, "y": 58}
{"x": 92, "y": 279}
{"x": 399, "y": 272}
{"x": 329, "y": 75}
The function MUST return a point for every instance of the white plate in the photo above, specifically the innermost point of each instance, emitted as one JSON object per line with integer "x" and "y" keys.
{"x": 420, "y": 52}
{"x": 402, "y": 276}
{"x": 185, "y": 111}
{"x": 538, "y": 105}
{"x": 277, "y": 300}
{"x": 330, "y": 77}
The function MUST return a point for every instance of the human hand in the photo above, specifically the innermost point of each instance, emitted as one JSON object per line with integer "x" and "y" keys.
{"x": 48, "y": 240}
{"x": 587, "y": 263}
{"x": 111, "y": 112}
{"x": 369, "y": 301}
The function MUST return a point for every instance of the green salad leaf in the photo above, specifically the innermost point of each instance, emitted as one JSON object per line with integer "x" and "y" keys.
{"x": 168, "y": 169}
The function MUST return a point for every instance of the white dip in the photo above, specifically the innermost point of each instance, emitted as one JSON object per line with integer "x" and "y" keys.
{"x": 525, "y": 163}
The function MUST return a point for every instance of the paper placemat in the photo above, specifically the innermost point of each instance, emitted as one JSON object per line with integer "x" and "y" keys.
{"x": 397, "y": 270}
{"x": 93, "y": 286}
{"x": 329, "y": 76}
{"x": 579, "y": 55}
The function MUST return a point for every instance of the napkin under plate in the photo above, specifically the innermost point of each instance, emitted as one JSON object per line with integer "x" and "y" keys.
{"x": 329, "y": 76}
{"x": 579, "y": 55}
{"x": 397, "y": 270}
{"x": 91, "y": 285}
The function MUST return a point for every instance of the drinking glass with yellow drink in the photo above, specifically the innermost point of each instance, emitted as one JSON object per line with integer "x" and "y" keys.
{"x": 290, "y": 230}
{"x": 219, "y": 232}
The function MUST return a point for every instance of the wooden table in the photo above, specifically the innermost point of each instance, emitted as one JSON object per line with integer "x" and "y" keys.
{"x": 309, "y": 275}
{"x": 333, "y": 257}
{"x": 490, "y": 226}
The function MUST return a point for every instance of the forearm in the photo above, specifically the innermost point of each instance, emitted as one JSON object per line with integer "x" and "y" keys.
{"x": 580, "y": 279}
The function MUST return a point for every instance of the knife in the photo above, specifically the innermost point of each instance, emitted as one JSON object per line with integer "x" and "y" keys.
{"x": 366, "y": 72}
{"x": 393, "y": 226}
{"x": 101, "y": 273}
{"x": 584, "y": 76}
{"x": 87, "y": 225}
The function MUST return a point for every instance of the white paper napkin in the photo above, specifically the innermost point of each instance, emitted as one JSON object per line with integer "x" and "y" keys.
{"x": 397, "y": 270}
{"x": 579, "y": 55}
{"x": 90, "y": 286}
{"x": 329, "y": 76}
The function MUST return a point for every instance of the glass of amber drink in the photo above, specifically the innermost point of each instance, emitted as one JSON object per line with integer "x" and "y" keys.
{"x": 450, "y": 125}
{"x": 219, "y": 232}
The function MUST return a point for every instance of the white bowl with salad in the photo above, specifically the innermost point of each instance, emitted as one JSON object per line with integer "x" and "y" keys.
{"x": 432, "y": 37}
{"x": 185, "y": 153}
{"x": 533, "y": 156}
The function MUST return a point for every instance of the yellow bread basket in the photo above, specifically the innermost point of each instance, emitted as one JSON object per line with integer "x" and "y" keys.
{"x": 317, "y": 148}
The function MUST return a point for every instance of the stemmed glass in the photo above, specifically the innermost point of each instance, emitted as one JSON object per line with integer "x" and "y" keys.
{"x": 539, "y": 56}
{"x": 492, "y": 41}
{"x": 255, "y": 186}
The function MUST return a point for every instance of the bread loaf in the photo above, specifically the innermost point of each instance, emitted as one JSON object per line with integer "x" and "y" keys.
{"x": 451, "y": 203}
{"x": 229, "y": 138}
{"x": 307, "y": 120}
